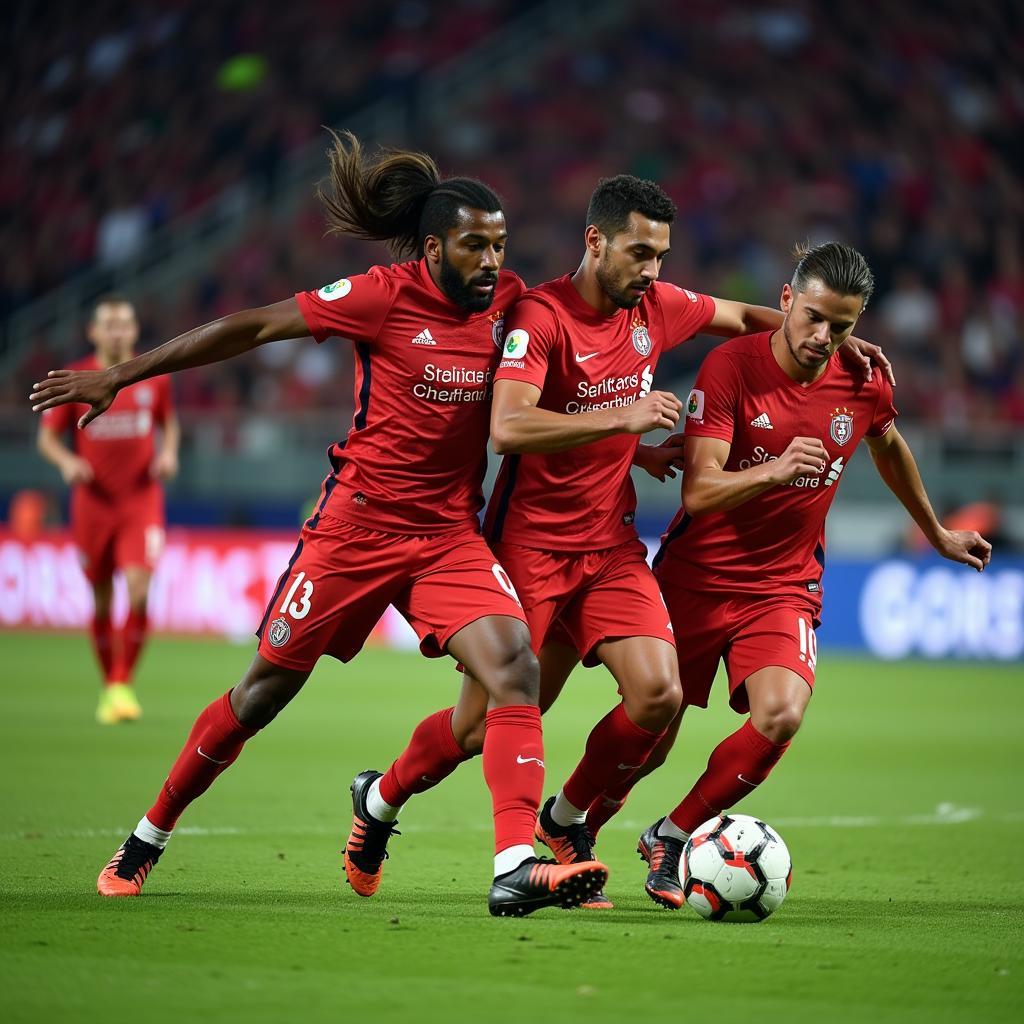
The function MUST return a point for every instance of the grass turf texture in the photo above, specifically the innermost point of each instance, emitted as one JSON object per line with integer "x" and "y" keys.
{"x": 900, "y": 802}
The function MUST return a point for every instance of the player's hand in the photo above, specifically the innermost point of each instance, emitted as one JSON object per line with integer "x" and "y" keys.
{"x": 805, "y": 456}
{"x": 165, "y": 466}
{"x": 966, "y": 546}
{"x": 657, "y": 411}
{"x": 661, "y": 460}
{"x": 76, "y": 470}
{"x": 863, "y": 354}
{"x": 65, "y": 387}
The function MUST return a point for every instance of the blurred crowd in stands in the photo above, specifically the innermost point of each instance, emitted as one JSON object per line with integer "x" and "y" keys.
{"x": 897, "y": 128}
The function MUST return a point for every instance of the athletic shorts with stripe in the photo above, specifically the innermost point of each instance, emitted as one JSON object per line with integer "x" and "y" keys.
{"x": 117, "y": 534}
{"x": 587, "y": 597}
{"x": 748, "y": 631}
{"x": 342, "y": 577}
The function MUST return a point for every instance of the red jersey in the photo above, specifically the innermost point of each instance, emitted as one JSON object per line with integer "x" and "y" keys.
{"x": 119, "y": 444}
{"x": 775, "y": 542}
{"x": 414, "y": 460}
{"x": 583, "y": 499}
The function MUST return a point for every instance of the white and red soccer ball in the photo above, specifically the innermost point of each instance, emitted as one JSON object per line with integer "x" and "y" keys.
{"x": 735, "y": 868}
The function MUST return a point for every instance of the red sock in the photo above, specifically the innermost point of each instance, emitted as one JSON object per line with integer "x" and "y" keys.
{"x": 602, "y": 809}
{"x": 133, "y": 636}
{"x": 737, "y": 766}
{"x": 514, "y": 772}
{"x": 431, "y": 756}
{"x": 213, "y": 744}
{"x": 102, "y": 643}
{"x": 616, "y": 748}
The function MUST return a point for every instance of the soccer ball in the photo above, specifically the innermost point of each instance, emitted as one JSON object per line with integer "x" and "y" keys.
{"x": 735, "y": 868}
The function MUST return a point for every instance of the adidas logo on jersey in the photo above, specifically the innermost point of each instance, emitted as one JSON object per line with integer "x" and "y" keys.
{"x": 762, "y": 421}
{"x": 424, "y": 338}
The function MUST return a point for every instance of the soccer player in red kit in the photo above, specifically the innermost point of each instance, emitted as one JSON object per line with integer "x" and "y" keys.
{"x": 117, "y": 503}
{"x": 573, "y": 392}
{"x": 397, "y": 518}
{"x": 771, "y": 424}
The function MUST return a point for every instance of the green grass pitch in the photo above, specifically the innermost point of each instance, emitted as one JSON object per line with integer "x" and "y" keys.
{"x": 901, "y": 802}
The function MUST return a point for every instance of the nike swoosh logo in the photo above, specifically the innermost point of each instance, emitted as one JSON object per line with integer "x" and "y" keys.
{"x": 202, "y": 753}
{"x": 629, "y": 767}
{"x": 747, "y": 782}
{"x": 583, "y": 359}
{"x": 427, "y": 778}
{"x": 526, "y": 760}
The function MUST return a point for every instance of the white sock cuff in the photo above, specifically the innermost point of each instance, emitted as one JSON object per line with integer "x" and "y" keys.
{"x": 149, "y": 833}
{"x": 511, "y": 857}
{"x": 565, "y": 813}
{"x": 670, "y": 830}
{"x": 378, "y": 807}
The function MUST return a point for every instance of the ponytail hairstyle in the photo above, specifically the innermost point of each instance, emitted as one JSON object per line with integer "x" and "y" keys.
{"x": 397, "y": 196}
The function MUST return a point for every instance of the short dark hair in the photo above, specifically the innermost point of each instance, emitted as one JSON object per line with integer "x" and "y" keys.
{"x": 111, "y": 299}
{"x": 616, "y": 198}
{"x": 396, "y": 196}
{"x": 837, "y": 266}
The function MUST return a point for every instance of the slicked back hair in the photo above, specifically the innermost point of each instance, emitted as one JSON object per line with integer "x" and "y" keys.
{"x": 396, "y": 196}
{"x": 838, "y": 267}
{"x": 616, "y": 198}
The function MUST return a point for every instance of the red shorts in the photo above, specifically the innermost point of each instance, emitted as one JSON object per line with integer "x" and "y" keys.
{"x": 342, "y": 577}
{"x": 750, "y": 632}
{"x": 587, "y": 596}
{"x": 113, "y": 535}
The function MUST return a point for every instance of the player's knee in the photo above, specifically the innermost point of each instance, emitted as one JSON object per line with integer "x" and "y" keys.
{"x": 656, "y": 703}
{"x": 516, "y": 679}
{"x": 778, "y": 722}
{"x": 257, "y": 699}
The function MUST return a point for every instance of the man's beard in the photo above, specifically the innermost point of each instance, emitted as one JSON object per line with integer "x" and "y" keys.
{"x": 794, "y": 351}
{"x": 461, "y": 292}
{"x": 605, "y": 278}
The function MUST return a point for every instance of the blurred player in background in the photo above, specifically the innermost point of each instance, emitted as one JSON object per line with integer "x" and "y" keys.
{"x": 115, "y": 469}
{"x": 770, "y": 426}
{"x": 397, "y": 520}
{"x": 572, "y": 394}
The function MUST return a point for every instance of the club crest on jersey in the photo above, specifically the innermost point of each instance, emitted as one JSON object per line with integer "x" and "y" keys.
{"x": 338, "y": 290}
{"x": 497, "y": 319}
{"x": 279, "y": 633}
{"x": 842, "y": 425}
{"x": 641, "y": 339}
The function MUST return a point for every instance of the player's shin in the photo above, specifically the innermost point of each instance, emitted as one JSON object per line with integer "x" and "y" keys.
{"x": 513, "y": 762}
{"x": 737, "y": 766}
{"x": 133, "y": 636}
{"x": 103, "y": 644}
{"x": 214, "y": 743}
{"x": 617, "y": 749}
{"x": 431, "y": 756}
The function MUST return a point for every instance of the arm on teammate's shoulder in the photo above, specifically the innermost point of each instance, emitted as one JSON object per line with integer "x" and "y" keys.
{"x": 709, "y": 487}
{"x": 518, "y": 425}
{"x": 733, "y": 318}
{"x": 73, "y": 468}
{"x": 211, "y": 343}
{"x": 898, "y": 469}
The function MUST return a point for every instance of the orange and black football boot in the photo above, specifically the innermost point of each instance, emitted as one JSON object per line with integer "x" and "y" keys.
{"x": 662, "y": 854}
{"x": 366, "y": 846}
{"x": 541, "y": 882}
{"x": 128, "y": 868}
{"x": 571, "y": 844}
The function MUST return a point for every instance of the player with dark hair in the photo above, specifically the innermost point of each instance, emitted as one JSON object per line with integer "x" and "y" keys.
{"x": 117, "y": 502}
{"x": 573, "y": 392}
{"x": 397, "y": 518}
{"x": 772, "y": 421}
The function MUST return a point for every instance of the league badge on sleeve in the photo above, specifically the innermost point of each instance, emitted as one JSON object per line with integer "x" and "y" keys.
{"x": 516, "y": 344}
{"x": 841, "y": 429}
{"x": 337, "y": 290}
{"x": 695, "y": 405}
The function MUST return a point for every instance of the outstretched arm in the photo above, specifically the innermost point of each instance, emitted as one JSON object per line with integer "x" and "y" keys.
{"x": 518, "y": 425}
{"x": 212, "y": 343}
{"x": 896, "y": 466}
